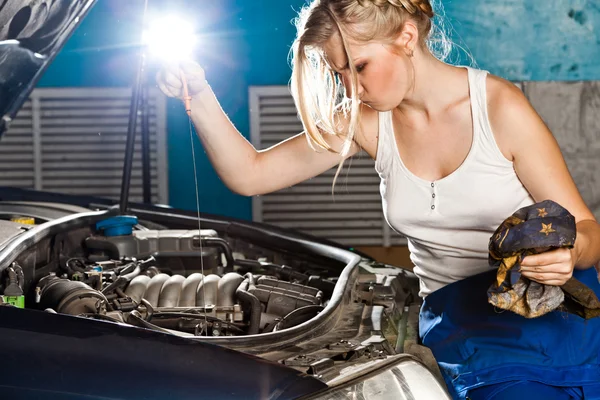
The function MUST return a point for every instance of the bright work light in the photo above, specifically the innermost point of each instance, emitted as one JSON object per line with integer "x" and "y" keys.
{"x": 170, "y": 38}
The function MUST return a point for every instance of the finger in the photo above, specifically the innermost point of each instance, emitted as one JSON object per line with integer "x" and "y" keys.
{"x": 553, "y": 282}
{"x": 172, "y": 80}
{"x": 167, "y": 90}
{"x": 170, "y": 77}
{"x": 563, "y": 268}
{"x": 549, "y": 257}
{"x": 547, "y": 277}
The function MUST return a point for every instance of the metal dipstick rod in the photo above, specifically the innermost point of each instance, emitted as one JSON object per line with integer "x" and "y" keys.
{"x": 187, "y": 99}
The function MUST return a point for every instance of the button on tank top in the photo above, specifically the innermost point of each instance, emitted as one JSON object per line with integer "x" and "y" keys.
{"x": 448, "y": 222}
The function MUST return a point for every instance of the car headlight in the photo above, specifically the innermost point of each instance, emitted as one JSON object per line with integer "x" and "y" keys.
{"x": 399, "y": 378}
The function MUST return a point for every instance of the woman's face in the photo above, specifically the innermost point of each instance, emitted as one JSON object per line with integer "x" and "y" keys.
{"x": 384, "y": 75}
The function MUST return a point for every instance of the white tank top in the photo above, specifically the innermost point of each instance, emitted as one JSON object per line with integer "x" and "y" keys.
{"x": 448, "y": 223}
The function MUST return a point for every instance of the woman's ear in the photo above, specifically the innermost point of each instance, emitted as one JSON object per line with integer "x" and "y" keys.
{"x": 408, "y": 38}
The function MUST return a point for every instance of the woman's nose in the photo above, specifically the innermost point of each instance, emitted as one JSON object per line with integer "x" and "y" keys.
{"x": 348, "y": 87}
{"x": 360, "y": 91}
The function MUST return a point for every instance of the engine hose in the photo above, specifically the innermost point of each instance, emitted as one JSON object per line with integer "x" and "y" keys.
{"x": 129, "y": 276}
{"x": 140, "y": 267}
{"x": 126, "y": 268}
{"x": 66, "y": 264}
{"x": 149, "y": 309}
{"x": 76, "y": 268}
{"x": 254, "y": 305}
{"x": 117, "y": 284}
{"x": 251, "y": 280}
{"x": 123, "y": 280}
{"x": 222, "y": 243}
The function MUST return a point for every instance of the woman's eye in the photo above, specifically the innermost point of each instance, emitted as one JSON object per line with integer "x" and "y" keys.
{"x": 360, "y": 67}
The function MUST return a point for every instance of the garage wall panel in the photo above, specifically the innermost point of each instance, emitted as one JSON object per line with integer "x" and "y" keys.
{"x": 72, "y": 140}
{"x": 17, "y": 164}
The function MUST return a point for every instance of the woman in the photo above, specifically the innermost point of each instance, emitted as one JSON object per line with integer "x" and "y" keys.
{"x": 457, "y": 149}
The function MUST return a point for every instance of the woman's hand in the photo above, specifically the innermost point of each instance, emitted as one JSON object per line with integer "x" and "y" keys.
{"x": 170, "y": 83}
{"x": 554, "y": 267}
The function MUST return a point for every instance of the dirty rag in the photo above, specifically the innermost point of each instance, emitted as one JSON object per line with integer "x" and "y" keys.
{"x": 535, "y": 229}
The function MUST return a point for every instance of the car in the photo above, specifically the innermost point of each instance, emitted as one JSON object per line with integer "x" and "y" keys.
{"x": 120, "y": 300}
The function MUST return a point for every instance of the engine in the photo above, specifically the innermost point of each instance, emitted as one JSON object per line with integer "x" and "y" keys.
{"x": 186, "y": 282}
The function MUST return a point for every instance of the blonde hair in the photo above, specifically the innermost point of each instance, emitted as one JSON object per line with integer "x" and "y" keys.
{"x": 316, "y": 89}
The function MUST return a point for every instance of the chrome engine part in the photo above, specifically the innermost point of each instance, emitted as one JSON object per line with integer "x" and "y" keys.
{"x": 213, "y": 294}
{"x": 178, "y": 291}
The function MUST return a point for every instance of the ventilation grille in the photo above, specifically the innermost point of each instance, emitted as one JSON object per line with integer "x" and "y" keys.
{"x": 72, "y": 140}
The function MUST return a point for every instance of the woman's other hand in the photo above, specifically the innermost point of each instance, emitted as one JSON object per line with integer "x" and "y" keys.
{"x": 553, "y": 267}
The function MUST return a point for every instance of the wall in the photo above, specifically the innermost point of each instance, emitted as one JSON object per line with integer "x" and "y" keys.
{"x": 531, "y": 40}
{"x": 247, "y": 43}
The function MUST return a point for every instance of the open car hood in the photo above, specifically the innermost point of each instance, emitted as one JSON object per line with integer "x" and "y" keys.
{"x": 32, "y": 32}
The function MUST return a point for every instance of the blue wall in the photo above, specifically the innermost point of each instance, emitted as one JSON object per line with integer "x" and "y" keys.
{"x": 247, "y": 43}
{"x": 531, "y": 40}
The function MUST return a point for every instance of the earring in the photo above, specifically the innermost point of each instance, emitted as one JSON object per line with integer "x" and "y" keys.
{"x": 411, "y": 53}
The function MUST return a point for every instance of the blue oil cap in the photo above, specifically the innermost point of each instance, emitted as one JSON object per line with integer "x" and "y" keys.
{"x": 117, "y": 226}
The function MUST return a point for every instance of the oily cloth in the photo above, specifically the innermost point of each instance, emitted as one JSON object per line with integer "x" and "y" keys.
{"x": 532, "y": 230}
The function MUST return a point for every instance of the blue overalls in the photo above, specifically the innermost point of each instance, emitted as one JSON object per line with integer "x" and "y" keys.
{"x": 479, "y": 346}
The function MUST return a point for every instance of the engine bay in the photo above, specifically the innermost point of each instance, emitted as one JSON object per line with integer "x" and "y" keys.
{"x": 308, "y": 304}
{"x": 185, "y": 282}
